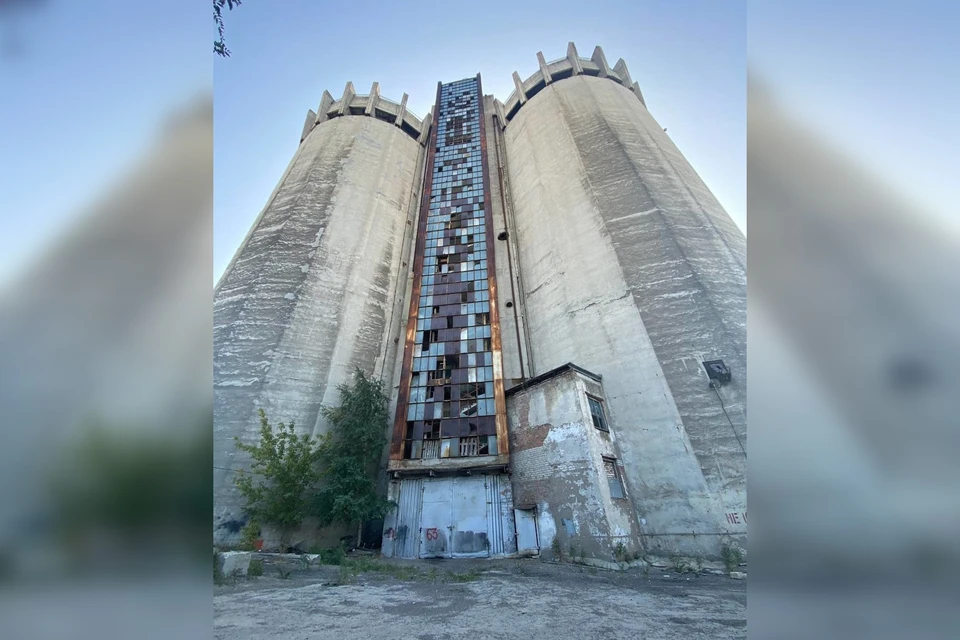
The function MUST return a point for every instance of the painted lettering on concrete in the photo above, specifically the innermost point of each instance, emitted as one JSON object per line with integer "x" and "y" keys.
{"x": 737, "y": 517}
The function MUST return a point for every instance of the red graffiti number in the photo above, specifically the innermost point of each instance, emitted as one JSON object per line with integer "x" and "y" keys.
{"x": 432, "y": 534}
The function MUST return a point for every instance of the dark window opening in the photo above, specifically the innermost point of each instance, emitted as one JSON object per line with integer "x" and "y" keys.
{"x": 613, "y": 478}
{"x": 596, "y": 412}
{"x": 482, "y": 319}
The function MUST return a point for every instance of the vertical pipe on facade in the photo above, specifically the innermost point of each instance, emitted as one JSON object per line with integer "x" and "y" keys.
{"x": 497, "y": 132}
{"x": 520, "y": 301}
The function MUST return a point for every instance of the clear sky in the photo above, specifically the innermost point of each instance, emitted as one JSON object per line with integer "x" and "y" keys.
{"x": 689, "y": 58}
{"x": 877, "y": 80}
{"x": 84, "y": 98}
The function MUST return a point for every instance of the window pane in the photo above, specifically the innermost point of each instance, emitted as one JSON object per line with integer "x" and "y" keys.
{"x": 613, "y": 477}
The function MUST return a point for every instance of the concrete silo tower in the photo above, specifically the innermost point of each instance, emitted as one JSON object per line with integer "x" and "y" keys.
{"x": 313, "y": 290}
{"x": 630, "y": 268}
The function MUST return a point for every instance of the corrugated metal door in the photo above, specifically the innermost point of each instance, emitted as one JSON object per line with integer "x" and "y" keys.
{"x": 494, "y": 519}
{"x": 470, "y": 517}
{"x": 407, "y": 536}
{"x": 436, "y": 518}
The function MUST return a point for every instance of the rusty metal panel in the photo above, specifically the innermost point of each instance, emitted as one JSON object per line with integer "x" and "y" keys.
{"x": 400, "y": 419}
{"x": 407, "y": 534}
{"x": 503, "y": 440}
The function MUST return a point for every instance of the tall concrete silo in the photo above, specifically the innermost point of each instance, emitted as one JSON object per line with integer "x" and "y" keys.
{"x": 316, "y": 288}
{"x": 632, "y": 269}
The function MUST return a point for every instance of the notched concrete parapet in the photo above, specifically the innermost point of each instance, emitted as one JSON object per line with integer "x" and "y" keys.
{"x": 567, "y": 67}
{"x": 372, "y": 105}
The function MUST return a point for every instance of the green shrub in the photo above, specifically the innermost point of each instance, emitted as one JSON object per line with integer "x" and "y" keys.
{"x": 256, "y": 568}
{"x": 334, "y": 556}
{"x": 732, "y": 556}
{"x": 557, "y": 550}
{"x": 620, "y": 552}
{"x": 249, "y": 535}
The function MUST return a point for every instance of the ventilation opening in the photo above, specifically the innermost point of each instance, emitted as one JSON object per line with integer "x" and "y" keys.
{"x": 560, "y": 75}
{"x": 356, "y": 111}
{"x": 537, "y": 88}
{"x": 591, "y": 72}
{"x": 408, "y": 129}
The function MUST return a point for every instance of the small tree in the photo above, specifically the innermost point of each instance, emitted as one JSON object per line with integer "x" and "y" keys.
{"x": 279, "y": 486}
{"x": 350, "y": 454}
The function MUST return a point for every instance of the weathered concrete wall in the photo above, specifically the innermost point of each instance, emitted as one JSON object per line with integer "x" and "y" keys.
{"x": 311, "y": 293}
{"x": 632, "y": 269}
{"x": 557, "y": 464}
{"x": 509, "y": 300}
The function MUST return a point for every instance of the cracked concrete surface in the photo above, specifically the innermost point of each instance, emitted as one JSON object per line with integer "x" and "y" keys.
{"x": 510, "y": 599}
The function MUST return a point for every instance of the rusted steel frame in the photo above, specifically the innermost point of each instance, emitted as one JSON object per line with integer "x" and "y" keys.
{"x": 400, "y": 420}
{"x": 503, "y": 444}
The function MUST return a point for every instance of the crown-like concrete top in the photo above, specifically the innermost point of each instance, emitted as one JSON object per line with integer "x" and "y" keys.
{"x": 568, "y": 67}
{"x": 371, "y": 104}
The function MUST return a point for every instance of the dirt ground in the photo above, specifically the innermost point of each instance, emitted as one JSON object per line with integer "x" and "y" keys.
{"x": 476, "y": 599}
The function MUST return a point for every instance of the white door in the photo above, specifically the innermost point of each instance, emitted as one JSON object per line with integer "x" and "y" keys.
{"x": 470, "y": 517}
{"x": 527, "y": 542}
{"x": 435, "y": 518}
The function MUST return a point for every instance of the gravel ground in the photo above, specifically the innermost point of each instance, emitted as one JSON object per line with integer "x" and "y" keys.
{"x": 430, "y": 600}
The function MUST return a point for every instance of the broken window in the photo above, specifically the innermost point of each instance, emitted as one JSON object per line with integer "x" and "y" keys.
{"x": 469, "y": 446}
{"x": 613, "y": 478}
{"x": 431, "y": 449}
{"x": 483, "y": 319}
{"x": 596, "y": 412}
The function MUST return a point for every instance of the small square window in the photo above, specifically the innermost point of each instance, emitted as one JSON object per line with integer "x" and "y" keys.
{"x": 613, "y": 478}
{"x": 596, "y": 412}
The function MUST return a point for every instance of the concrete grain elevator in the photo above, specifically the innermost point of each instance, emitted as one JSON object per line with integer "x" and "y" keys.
{"x": 555, "y": 298}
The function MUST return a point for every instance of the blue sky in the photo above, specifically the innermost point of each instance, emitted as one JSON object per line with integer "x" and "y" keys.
{"x": 689, "y": 58}
{"x": 84, "y": 100}
{"x": 877, "y": 80}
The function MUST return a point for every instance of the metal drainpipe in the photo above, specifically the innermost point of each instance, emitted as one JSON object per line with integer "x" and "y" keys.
{"x": 503, "y": 208}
